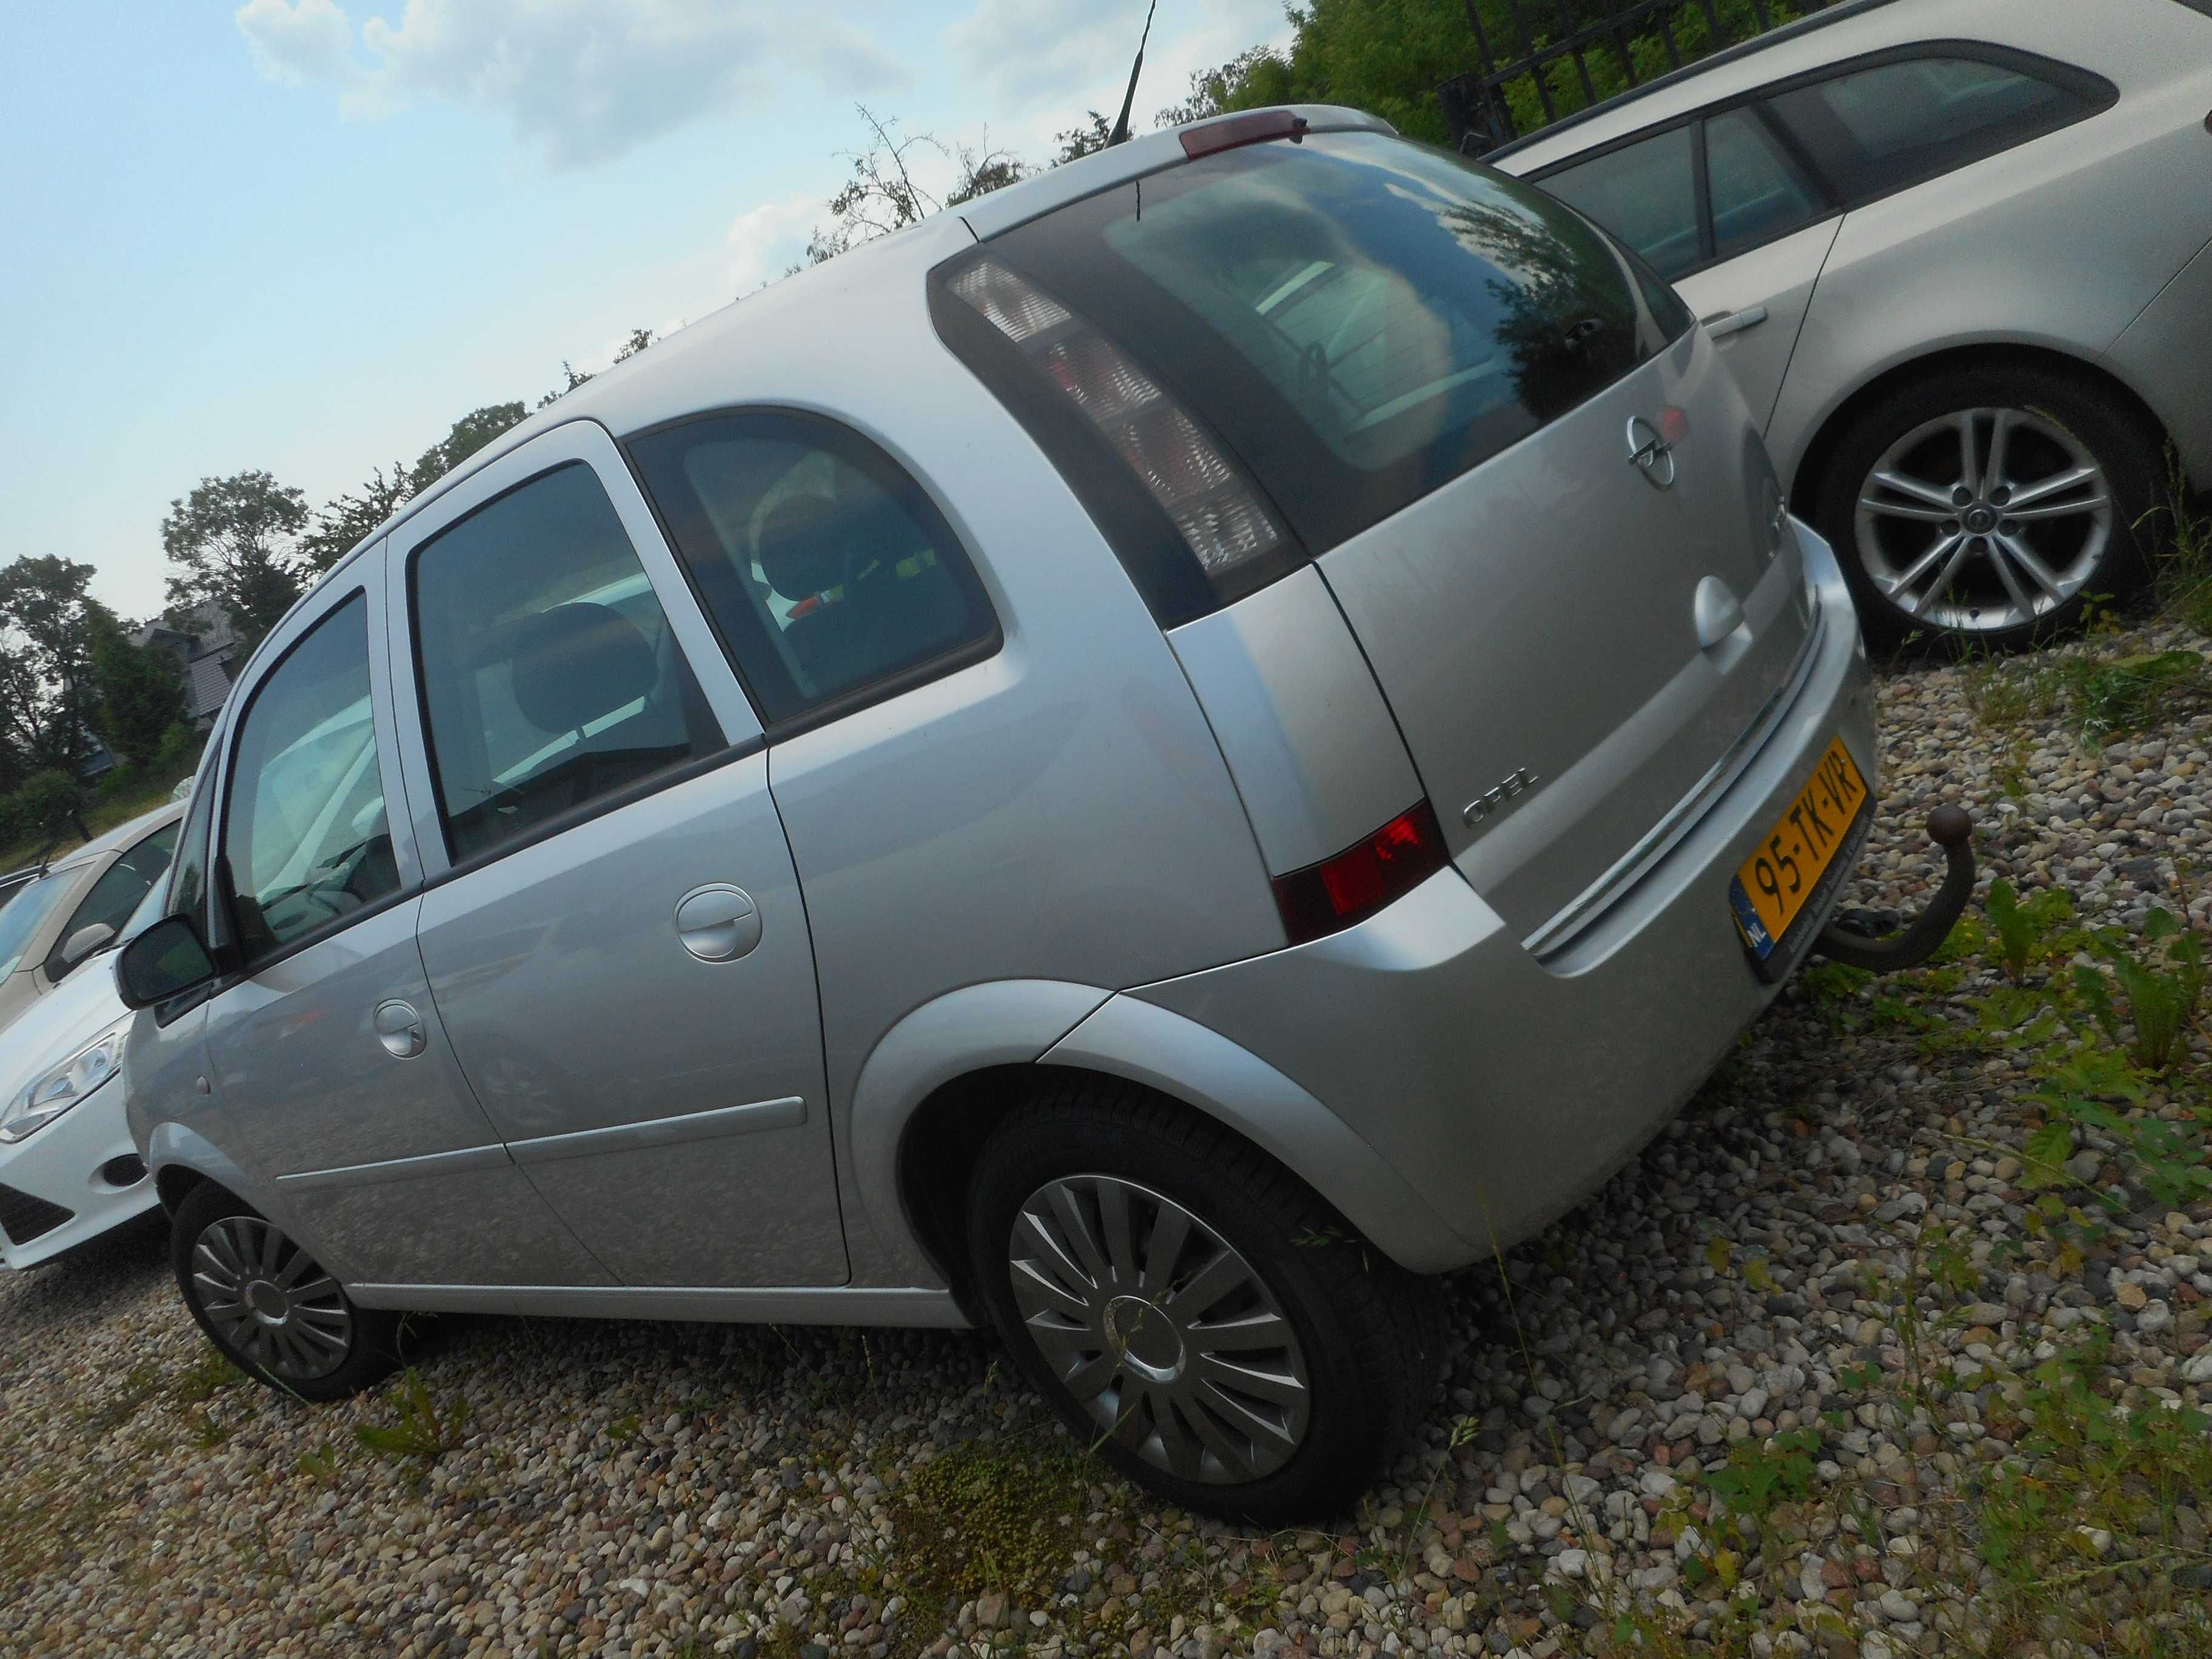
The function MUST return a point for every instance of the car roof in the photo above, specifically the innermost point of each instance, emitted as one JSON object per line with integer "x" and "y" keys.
{"x": 122, "y": 836}
{"x": 1823, "y": 37}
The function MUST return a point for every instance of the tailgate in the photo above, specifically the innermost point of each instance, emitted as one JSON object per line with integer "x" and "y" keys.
{"x": 1535, "y": 626}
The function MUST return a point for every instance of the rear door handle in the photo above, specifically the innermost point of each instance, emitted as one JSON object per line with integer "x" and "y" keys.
{"x": 1721, "y": 324}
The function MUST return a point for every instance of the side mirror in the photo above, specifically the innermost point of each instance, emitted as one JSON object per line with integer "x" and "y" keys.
{"x": 83, "y": 942}
{"x": 166, "y": 960}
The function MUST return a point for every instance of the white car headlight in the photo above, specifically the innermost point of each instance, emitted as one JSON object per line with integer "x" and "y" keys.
{"x": 60, "y": 1087}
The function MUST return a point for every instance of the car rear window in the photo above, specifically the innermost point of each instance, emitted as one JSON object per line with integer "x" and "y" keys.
{"x": 1360, "y": 319}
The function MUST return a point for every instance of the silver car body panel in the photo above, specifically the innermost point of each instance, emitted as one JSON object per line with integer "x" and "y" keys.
{"x": 1000, "y": 1022}
{"x": 2056, "y": 243}
{"x": 1502, "y": 1090}
{"x": 1616, "y": 714}
{"x": 1311, "y": 745}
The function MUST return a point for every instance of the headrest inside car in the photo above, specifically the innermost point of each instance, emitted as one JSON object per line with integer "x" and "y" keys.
{"x": 577, "y": 662}
{"x": 801, "y": 546}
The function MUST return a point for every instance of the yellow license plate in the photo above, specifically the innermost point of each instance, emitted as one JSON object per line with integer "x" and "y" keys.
{"x": 1780, "y": 877}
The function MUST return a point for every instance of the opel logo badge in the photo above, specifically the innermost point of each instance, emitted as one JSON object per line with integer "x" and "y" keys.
{"x": 1652, "y": 455}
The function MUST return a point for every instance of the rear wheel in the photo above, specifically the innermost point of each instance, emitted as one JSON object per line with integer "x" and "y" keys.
{"x": 1189, "y": 1307}
{"x": 1988, "y": 505}
{"x": 270, "y": 1307}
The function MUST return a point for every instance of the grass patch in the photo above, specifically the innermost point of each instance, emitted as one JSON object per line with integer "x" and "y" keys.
{"x": 421, "y": 1430}
{"x": 1003, "y": 1514}
{"x": 2181, "y": 571}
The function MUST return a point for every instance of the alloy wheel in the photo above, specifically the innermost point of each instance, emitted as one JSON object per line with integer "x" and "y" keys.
{"x": 1159, "y": 1329}
{"x": 269, "y": 1300}
{"x": 1983, "y": 520}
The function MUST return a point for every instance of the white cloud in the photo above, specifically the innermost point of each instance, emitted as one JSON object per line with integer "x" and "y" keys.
{"x": 312, "y": 40}
{"x": 583, "y": 80}
{"x": 763, "y": 242}
{"x": 1053, "y": 59}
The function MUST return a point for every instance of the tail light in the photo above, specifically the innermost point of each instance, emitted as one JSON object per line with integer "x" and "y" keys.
{"x": 1216, "y": 511}
{"x": 1339, "y": 892}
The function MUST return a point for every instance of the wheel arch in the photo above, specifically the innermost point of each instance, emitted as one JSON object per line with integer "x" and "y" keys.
{"x": 915, "y": 1146}
{"x": 182, "y": 1159}
{"x": 1820, "y": 452}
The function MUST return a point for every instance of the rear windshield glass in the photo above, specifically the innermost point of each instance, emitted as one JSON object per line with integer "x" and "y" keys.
{"x": 1363, "y": 319}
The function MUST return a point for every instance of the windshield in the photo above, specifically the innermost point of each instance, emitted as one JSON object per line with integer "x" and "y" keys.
{"x": 31, "y": 907}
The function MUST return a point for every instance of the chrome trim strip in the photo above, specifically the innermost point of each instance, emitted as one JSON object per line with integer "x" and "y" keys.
{"x": 746, "y": 1119}
{"x": 1583, "y": 911}
{"x": 828, "y": 1304}
{"x": 492, "y": 1157}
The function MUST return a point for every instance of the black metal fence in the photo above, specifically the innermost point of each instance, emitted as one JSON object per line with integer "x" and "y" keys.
{"x": 1551, "y": 58}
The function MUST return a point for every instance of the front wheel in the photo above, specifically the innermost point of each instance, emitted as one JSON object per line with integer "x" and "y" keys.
{"x": 270, "y": 1307}
{"x": 1193, "y": 1311}
{"x": 1988, "y": 506}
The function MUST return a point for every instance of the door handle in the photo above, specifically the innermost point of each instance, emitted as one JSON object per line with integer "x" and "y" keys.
{"x": 719, "y": 923}
{"x": 1721, "y": 324}
{"x": 399, "y": 1029}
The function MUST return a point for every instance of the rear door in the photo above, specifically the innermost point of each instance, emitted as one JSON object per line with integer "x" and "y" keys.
{"x": 1722, "y": 207}
{"x": 613, "y": 934}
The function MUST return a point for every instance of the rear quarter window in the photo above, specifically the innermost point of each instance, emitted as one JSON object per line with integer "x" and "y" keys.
{"x": 1361, "y": 319}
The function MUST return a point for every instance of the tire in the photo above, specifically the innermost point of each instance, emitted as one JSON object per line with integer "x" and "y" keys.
{"x": 1363, "y": 1339}
{"x": 218, "y": 1242}
{"x": 1922, "y": 562}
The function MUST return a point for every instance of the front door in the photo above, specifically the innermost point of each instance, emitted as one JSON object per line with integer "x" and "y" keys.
{"x": 326, "y": 1052}
{"x": 617, "y": 947}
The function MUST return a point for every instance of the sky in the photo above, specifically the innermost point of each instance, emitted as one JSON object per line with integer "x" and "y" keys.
{"x": 306, "y": 235}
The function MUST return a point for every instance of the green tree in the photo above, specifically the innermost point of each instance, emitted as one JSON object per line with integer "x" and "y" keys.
{"x": 50, "y": 703}
{"x": 469, "y": 434}
{"x": 236, "y": 542}
{"x": 342, "y": 524}
{"x": 50, "y": 805}
{"x": 1086, "y": 138}
{"x": 141, "y": 695}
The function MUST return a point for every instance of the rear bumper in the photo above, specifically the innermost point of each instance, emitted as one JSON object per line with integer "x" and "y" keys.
{"x": 60, "y": 1166}
{"x": 1502, "y": 1086}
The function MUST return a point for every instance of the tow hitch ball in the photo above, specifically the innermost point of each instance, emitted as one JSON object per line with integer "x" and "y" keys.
{"x": 1860, "y": 939}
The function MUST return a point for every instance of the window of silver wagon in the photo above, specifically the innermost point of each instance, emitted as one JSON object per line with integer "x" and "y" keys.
{"x": 1354, "y": 318}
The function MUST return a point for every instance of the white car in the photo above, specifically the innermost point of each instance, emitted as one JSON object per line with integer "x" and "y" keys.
{"x": 1958, "y": 255}
{"x": 68, "y": 1170}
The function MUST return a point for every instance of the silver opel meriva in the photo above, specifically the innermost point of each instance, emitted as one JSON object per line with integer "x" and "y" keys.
{"x": 1153, "y": 761}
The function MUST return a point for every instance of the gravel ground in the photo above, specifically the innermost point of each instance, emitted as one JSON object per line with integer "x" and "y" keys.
{"x": 630, "y": 1488}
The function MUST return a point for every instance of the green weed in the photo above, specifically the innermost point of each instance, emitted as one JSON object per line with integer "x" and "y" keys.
{"x": 420, "y": 1430}
{"x": 2027, "y": 931}
{"x": 2159, "y": 990}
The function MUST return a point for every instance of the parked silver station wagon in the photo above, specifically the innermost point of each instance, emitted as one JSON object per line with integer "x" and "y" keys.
{"x": 1153, "y": 762}
{"x": 1958, "y": 255}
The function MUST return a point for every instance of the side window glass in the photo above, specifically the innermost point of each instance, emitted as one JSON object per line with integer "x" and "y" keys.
{"x": 825, "y": 568}
{"x": 121, "y": 886}
{"x": 1756, "y": 194}
{"x": 1644, "y": 193}
{"x": 306, "y": 835}
{"x": 550, "y": 677}
{"x": 1877, "y": 129}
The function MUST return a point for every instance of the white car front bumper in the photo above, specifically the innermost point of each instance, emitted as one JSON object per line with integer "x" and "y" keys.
{"x": 82, "y": 1167}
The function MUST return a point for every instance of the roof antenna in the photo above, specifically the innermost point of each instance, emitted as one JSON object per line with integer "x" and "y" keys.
{"x": 1121, "y": 133}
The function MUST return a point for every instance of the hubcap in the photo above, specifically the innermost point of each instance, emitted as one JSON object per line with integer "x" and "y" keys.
{"x": 1983, "y": 520}
{"x": 1159, "y": 1328}
{"x": 269, "y": 1300}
